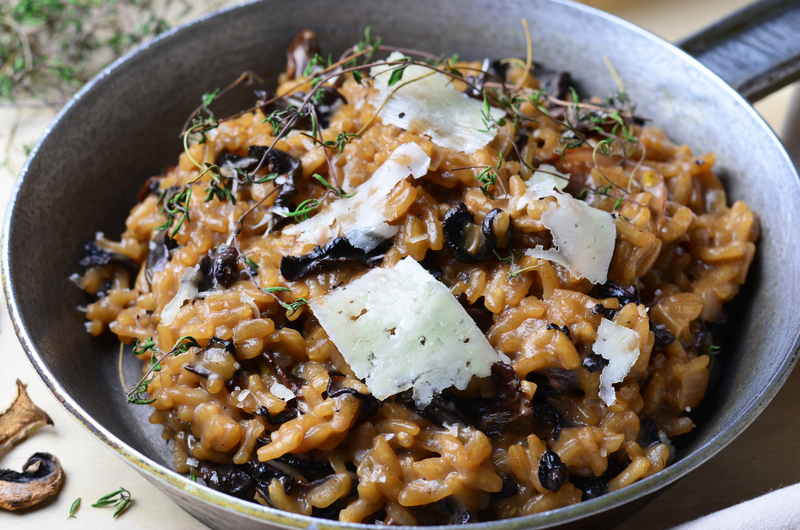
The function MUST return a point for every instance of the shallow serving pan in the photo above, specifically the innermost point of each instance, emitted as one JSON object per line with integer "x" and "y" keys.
{"x": 123, "y": 127}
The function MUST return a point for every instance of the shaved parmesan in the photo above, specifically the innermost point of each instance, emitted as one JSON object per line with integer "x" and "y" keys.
{"x": 583, "y": 237}
{"x": 429, "y": 104}
{"x": 400, "y": 328}
{"x": 281, "y": 392}
{"x": 362, "y": 218}
{"x": 187, "y": 290}
{"x": 620, "y": 346}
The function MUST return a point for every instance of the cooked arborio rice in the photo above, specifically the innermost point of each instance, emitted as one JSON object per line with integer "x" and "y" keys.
{"x": 594, "y": 370}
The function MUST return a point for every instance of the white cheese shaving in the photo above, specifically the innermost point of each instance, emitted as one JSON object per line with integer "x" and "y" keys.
{"x": 250, "y": 301}
{"x": 620, "y": 346}
{"x": 430, "y": 105}
{"x": 192, "y": 462}
{"x": 281, "y": 392}
{"x": 362, "y": 217}
{"x": 400, "y": 328}
{"x": 187, "y": 290}
{"x": 243, "y": 395}
{"x": 583, "y": 237}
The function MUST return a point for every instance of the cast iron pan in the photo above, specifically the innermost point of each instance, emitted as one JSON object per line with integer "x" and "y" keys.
{"x": 122, "y": 128}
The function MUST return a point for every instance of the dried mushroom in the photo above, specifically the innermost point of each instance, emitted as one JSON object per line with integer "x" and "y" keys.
{"x": 469, "y": 242}
{"x": 20, "y": 420}
{"x": 336, "y": 253}
{"x": 41, "y": 477}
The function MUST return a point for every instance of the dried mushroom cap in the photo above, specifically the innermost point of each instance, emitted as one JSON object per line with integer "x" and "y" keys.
{"x": 20, "y": 420}
{"x": 41, "y": 477}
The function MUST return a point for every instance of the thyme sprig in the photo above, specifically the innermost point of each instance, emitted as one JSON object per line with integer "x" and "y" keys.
{"x": 120, "y": 498}
{"x": 251, "y": 267}
{"x": 136, "y": 394}
{"x": 513, "y": 274}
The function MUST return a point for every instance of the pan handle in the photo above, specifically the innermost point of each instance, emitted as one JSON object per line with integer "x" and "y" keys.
{"x": 755, "y": 50}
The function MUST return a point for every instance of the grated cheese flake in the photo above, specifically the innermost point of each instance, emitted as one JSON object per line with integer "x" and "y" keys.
{"x": 362, "y": 217}
{"x": 400, "y": 328}
{"x": 187, "y": 290}
{"x": 583, "y": 237}
{"x": 620, "y": 346}
{"x": 281, "y": 392}
{"x": 430, "y": 105}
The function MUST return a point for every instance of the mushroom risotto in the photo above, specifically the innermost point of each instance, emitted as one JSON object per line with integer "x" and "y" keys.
{"x": 416, "y": 290}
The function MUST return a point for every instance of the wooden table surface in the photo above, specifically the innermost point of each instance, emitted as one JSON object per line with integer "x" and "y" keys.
{"x": 755, "y": 463}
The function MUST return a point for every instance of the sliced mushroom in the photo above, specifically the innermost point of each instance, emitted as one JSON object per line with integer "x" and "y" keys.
{"x": 324, "y": 104}
{"x": 553, "y": 82}
{"x": 625, "y": 294}
{"x": 333, "y": 254}
{"x": 303, "y": 48}
{"x": 471, "y": 243}
{"x": 216, "y": 363}
{"x": 283, "y": 164}
{"x": 21, "y": 420}
{"x": 41, "y": 477}
{"x": 219, "y": 268}
{"x": 159, "y": 254}
{"x": 96, "y": 256}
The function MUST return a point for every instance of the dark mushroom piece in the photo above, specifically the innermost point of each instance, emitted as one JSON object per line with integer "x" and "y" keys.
{"x": 286, "y": 379}
{"x": 230, "y": 479}
{"x": 150, "y": 187}
{"x": 324, "y": 104}
{"x": 552, "y": 472}
{"x": 470, "y": 243}
{"x": 21, "y": 420}
{"x": 625, "y": 294}
{"x": 41, "y": 477}
{"x": 335, "y": 253}
{"x": 299, "y": 54}
{"x": 661, "y": 335}
{"x": 278, "y": 419}
{"x": 648, "y": 433}
{"x": 216, "y": 363}
{"x": 159, "y": 254}
{"x": 94, "y": 256}
{"x": 553, "y": 82}
{"x": 282, "y": 163}
{"x": 369, "y": 403}
{"x": 219, "y": 268}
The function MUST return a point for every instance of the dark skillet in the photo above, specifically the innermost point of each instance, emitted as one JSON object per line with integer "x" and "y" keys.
{"x": 122, "y": 128}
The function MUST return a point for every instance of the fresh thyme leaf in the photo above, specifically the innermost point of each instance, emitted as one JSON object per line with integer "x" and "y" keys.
{"x": 208, "y": 98}
{"x": 275, "y": 289}
{"x": 396, "y": 76}
{"x": 267, "y": 178}
{"x": 136, "y": 395}
{"x": 358, "y": 76}
{"x": 303, "y": 209}
{"x": 514, "y": 255}
{"x": 192, "y": 476}
{"x": 328, "y": 185}
{"x": 252, "y": 265}
{"x": 514, "y": 274}
{"x": 618, "y": 203}
{"x": 120, "y": 498}
{"x": 74, "y": 508}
